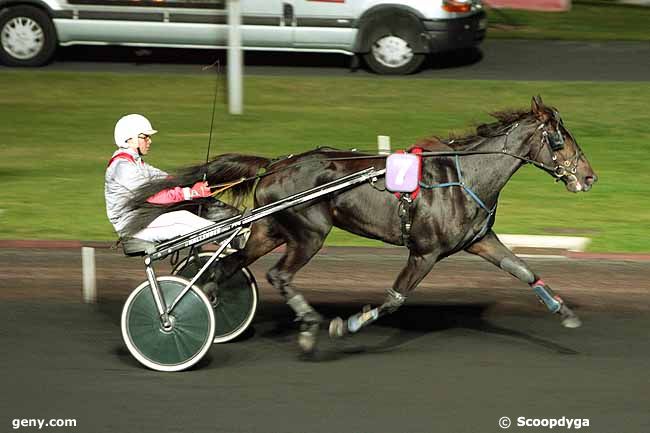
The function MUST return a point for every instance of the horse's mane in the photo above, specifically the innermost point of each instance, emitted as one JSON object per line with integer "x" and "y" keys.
{"x": 486, "y": 130}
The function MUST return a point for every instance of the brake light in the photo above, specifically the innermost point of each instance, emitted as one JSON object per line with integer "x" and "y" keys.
{"x": 457, "y": 5}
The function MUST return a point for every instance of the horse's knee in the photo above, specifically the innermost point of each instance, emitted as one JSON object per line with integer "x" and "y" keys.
{"x": 280, "y": 280}
{"x": 518, "y": 269}
{"x": 393, "y": 301}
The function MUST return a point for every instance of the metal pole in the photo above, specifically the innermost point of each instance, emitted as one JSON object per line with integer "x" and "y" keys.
{"x": 88, "y": 274}
{"x": 383, "y": 144}
{"x": 235, "y": 59}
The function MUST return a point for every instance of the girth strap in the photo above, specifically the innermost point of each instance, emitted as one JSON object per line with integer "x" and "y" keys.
{"x": 406, "y": 218}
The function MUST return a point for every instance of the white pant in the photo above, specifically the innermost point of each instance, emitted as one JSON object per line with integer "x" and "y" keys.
{"x": 172, "y": 224}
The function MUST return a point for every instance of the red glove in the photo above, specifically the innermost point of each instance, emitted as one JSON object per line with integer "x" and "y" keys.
{"x": 199, "y": 190}
{"x": 178, "y": 194}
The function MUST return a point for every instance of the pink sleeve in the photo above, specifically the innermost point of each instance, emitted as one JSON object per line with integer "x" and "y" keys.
{"x": 169, "y": 195}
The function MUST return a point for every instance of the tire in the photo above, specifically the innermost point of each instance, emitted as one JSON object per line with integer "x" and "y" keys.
{"x": 237, "y": 298}
{"x": 173, "y": 349}
{"x": 393, "y": 44}
{"x": 27, "y": 37}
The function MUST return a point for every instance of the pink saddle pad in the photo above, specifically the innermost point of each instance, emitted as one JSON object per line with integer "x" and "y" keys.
{"x": 402, "y": 172}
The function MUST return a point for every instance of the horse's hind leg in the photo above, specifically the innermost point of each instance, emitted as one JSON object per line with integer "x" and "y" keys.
{"x": 417, "y": 267}
{"x": 303, "y": 242}
{"x": 491, "y": 249}
{"x": 263, "y": 239}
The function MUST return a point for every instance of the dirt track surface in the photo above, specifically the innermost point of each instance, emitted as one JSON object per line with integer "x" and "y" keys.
{"x": 469, "y": 347}
{"x": 352, "y": 275}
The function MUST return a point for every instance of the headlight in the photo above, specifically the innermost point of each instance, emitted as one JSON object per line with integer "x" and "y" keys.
{"x": 457, "y": 5}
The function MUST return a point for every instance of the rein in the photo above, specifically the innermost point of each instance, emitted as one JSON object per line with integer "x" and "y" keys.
{"x": 549, "y": 140}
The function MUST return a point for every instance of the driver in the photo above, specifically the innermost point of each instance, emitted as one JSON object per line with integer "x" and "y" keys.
{"x": 127, "y": 171}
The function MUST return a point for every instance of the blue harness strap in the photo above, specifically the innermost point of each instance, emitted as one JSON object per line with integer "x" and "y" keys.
{"x": 468, "y": 191}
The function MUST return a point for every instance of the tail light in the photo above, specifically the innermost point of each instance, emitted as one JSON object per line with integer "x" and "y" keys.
{"x": 457, "y": 5}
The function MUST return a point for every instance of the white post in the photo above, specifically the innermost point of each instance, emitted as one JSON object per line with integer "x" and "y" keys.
{"x": 235, "y": 59}
{"x": 383, "y": 144}
{"x": 88, "y": 273}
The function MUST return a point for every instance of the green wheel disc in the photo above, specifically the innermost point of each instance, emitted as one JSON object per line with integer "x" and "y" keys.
{"x": 237, "y": 298}
{"x": 178, "y": 347}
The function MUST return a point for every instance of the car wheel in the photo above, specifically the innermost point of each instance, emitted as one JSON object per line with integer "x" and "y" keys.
{"x": 393, "y": 54}
{"x": 27, "y": 37}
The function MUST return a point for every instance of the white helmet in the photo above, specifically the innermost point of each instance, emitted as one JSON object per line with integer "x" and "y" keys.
{"x": 130, "y": 126}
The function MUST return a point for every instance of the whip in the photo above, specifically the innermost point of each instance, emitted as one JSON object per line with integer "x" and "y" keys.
{"x": 214, "y": 107}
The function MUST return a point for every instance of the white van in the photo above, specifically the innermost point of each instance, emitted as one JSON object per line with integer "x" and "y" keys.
{"x": 393, "y": 37}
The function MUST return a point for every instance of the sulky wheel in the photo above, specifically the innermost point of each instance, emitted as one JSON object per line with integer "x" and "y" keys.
{"x": 236, "y": 299}
{"x": 181, "y": 345}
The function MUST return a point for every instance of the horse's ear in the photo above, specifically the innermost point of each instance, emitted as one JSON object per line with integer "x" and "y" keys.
{"x": 536, "y": 105}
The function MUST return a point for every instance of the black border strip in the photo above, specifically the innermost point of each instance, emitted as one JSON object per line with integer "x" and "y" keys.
{"x": 326, "y": 22}
{"x": 121, "y": 16}
{"x": 214, "y": 4}
{"x": 197, "y": 19}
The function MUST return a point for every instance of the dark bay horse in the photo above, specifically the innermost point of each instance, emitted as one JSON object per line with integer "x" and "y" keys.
{"x": 455, "y": 210}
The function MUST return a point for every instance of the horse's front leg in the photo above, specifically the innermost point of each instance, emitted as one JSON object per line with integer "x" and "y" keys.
{"x": 491, "y": 249}
{"x": 417, "y": 267}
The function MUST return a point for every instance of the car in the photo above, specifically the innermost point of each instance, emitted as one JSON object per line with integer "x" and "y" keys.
{"x": 393, "y": 37}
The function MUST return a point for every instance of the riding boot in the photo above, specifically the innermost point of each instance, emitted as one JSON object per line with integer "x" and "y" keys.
{"x": 239, "y": 243}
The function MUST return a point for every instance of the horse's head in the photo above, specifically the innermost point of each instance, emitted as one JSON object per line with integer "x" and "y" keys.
{"x": 557, "y": 152}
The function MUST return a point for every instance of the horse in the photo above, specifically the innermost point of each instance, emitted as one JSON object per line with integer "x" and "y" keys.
{"x": 455, "y": 211}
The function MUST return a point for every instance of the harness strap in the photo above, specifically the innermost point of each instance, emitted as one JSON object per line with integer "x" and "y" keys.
{"x": 406, "y": 218}
{"x": 468, "y": 191}
{"x": 406, "y": 202}
{"x": 258, "y": 177}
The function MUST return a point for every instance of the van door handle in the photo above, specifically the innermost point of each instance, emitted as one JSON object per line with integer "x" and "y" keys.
{"x": 287, "y": 15}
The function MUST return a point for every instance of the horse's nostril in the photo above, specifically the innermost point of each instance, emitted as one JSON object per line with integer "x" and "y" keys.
{"x": 590, "y": 180}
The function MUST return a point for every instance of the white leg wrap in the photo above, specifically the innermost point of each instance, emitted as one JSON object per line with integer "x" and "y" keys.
{"x": 299, "y": 305}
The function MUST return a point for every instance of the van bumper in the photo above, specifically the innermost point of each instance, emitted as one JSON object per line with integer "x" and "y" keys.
{"x": 450, "y": 35}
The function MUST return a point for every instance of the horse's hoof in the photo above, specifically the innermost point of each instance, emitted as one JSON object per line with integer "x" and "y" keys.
{"x": 307, "y": 339}
{"x": 569, "y": 318}
{"x": 337, "y": 328}
{"x": 572, "y": 322}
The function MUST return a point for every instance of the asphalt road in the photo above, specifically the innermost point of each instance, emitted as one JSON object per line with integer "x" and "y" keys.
{"x": 432, "y": 368}
{"x": 470, "y": 347}
{"x": 496, "y": 60}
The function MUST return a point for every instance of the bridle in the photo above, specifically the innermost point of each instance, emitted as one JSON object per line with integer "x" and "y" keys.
{"x": 553, "y": 140}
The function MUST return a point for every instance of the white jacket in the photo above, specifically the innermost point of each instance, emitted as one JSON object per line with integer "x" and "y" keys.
{"x": 122, "y": 178}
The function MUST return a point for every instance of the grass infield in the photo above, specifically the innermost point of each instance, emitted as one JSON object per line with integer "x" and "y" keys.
{"x": 597, "y": 20}
{"x": 56, "y": 136}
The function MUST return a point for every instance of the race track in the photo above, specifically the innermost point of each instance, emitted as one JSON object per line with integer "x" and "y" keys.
{"x": 471, "y": 346}
{"x": 495, "y": 60}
